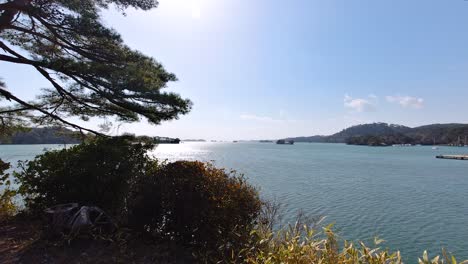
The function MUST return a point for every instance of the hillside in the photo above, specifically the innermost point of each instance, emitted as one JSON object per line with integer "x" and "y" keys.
{"x": 383, "y": 134}
{"x": 440, "y": 134}
{"x": 315, "y": 139}
{"x": 43, "y": 135}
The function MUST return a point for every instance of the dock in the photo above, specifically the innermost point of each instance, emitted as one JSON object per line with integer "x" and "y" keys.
{"x": 455, "y": 157}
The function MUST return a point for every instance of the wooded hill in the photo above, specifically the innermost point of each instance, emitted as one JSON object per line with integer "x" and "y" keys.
{"x": 43, "y": 135}
{"x": 383, "y": 134}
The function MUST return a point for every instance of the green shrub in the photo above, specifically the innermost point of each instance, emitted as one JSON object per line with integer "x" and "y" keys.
{"x": 100, "y": 172}
{"x": 145, "y": 209}
{"x": 195, "y": 203}
{"x": 7, "y": 204}
{"x": 8, "y": 207}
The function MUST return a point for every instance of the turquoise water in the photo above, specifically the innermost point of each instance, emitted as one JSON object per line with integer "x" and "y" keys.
{"x": 401, "y": 194}
{"x": 15, "y": 153}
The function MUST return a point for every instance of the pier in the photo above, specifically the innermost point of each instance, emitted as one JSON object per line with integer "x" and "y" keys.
{"x": 455, "y": 157}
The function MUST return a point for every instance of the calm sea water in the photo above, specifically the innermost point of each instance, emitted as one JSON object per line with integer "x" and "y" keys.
{"x": 401, "y": 194}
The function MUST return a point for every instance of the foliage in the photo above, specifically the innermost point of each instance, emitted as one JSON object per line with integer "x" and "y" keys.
{"x": 10, "y": 122}
{"x": 302, "y": 245}
{"x": 193, "y": 203}
{"x": 210, "y": 209}
{"x": 100, "y": 172}
{"x": 91, "y": 71}
{"x": 7, "y": 205}
{"x": 381, "y": 140}
{"x": 450, "y": 134}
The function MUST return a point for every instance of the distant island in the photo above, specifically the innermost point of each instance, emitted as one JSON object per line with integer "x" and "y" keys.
{"x": 43, "y": 135}
{"x": 375, "y": 134}
{"x": 383, "y": 134}
{"x": 61, "y": 135}
{"x": 193, "y": 140}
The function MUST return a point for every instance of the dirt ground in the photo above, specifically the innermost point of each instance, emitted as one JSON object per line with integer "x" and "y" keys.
{"x": 23, "y": 241}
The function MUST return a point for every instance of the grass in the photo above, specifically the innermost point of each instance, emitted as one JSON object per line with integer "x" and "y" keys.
{"x": 298, "y": 244}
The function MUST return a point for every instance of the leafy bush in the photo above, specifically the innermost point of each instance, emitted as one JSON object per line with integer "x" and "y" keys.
{"x": 197, "y": 204}
{"x": 209, "y": 209}
{"x": 100, "y": 172}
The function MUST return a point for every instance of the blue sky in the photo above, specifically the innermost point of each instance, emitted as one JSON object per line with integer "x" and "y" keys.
{"x": 271, "y": 69}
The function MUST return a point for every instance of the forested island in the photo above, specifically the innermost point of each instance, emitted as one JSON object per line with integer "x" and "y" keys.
{"x": 61, "y": 135}
{"x": 375, "y": 134}
{"x": 43, "y": 135}
{"x": 194, "y": 140}
{"x": 383, "y": 134}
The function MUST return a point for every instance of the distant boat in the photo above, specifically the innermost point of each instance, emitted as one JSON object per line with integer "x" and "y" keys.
{"x": 235, "y": 141}
{"x": 285, "y": 142}
{"x": 402, "y": 145}
{"x": 435, "y": 148}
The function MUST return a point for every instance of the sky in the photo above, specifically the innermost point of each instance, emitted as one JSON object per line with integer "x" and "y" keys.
{"x": 273, "y": 69}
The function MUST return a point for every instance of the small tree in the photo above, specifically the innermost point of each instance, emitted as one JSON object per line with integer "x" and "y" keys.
{"x": 91, "y": 71}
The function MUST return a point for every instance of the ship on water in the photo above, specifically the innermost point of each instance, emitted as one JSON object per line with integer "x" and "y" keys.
{"x": 285, "y": 142}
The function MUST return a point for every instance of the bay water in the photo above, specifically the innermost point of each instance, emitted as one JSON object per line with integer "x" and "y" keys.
{"x": 403, "y": 195}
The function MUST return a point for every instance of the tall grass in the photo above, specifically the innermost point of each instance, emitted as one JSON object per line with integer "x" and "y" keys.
{"x": 303, "y": 245}
{"x": 7, "y": 205}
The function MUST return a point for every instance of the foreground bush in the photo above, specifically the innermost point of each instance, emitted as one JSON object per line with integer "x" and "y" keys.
{"x": 208, "y": 209}
{"x": 195, "y": 203}
{"x": 303, "y": 245}
{"x": 100, "y": 173}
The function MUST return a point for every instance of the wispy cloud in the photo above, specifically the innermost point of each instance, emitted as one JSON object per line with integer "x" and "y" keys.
{"x": 360, "y": 104}
{"x": 406, "y": 101}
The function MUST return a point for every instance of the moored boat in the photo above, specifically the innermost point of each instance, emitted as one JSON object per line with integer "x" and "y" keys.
{"x": 285, "y": 142}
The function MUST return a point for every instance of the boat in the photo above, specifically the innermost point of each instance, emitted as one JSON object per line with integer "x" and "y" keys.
{"x": 402, "y": 145}
{"x": 285, "y": 142}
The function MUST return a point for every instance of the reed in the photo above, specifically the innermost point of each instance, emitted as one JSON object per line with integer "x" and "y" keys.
{"x": 298, "y": 244}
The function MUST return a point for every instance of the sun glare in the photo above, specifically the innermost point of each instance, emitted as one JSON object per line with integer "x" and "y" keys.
{"x": 191, "y": 8}
{"x": 196, "y": 12}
